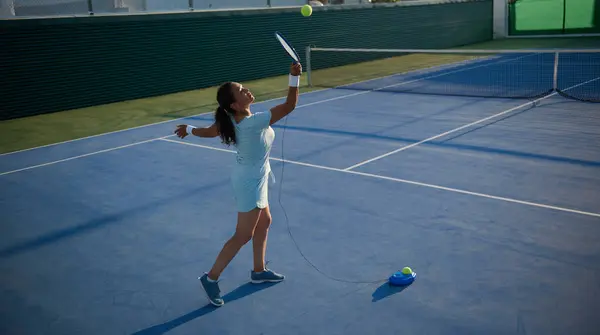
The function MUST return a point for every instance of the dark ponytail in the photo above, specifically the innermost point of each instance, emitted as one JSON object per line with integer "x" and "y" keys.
{"x": 224, "y": 113}
{"x": 225, "y": 126}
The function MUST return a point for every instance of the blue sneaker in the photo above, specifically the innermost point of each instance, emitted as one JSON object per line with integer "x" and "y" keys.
{"x": 213, "y": 293}
{"x": 266, "y": 276}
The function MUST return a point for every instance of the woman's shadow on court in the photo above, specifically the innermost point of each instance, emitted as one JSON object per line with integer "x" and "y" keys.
{"x": 240, "y": 292}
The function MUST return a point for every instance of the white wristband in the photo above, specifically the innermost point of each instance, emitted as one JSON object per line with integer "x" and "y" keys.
{"x": 294, "y": 81}
{"x": 188, "y": 129}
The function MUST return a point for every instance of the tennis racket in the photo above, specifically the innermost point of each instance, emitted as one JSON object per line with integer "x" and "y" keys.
{"x": 288, "y": 47}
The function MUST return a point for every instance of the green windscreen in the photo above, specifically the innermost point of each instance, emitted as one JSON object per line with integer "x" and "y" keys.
{"x": 538, "y": 17}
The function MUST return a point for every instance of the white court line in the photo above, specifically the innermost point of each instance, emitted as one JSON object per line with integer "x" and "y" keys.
{"x": 438, "y": 187}
{"x": 84, "y": 155}
{"x": 462, "y": 127}
{"x": 433, "y": 68}
{"x": 137, "y": 127}
{"x": 272, "y": 158}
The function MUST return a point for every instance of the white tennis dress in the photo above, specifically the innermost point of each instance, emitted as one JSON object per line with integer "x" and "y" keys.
{"x": 251, "y": 171}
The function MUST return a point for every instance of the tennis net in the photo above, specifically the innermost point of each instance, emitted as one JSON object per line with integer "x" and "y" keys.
{"x": 527, "y": 74}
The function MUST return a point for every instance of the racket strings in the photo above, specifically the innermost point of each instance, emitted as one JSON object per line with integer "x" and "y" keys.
{"x": 290, "y": 231}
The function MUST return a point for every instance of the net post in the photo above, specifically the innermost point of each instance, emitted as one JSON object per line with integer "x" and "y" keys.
{"x": 308, "y": 69}
{"x": 555, "y": 77}
{"x": 90, "y": 7}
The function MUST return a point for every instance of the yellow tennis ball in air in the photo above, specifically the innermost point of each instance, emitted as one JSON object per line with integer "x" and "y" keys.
{"x": 306, "y": 10}
{"x": 406, "y": 270}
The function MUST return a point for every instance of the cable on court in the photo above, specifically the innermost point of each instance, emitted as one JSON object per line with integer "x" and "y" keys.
{"x": 290, "y": 231}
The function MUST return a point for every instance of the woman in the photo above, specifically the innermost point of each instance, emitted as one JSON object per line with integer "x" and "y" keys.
{"x": 252, "y": 136}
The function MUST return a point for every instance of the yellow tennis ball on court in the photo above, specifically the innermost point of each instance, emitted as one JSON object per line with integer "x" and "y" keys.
{"x": 306, "y": 10}
{"x": 406, "y": 270}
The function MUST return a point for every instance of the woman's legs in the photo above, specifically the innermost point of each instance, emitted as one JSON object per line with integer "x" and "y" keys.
{"x": 261, "y": 274}
{"x": 253, "y": 225}
{"x": 244, "y": 231}
{"x": 259, "y": 241}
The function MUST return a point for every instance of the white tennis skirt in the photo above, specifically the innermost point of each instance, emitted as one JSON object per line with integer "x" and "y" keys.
{"x": 250, "y": 192}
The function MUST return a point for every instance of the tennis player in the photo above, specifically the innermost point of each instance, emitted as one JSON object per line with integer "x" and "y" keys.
{"x": 252, "y": 136}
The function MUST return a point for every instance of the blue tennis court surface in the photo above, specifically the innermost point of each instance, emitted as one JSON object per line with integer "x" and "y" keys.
{"x": 493, "y": 203}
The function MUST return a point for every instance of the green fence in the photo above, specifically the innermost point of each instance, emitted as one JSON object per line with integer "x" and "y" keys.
{"x": 58, "y": 64}
{"x": 554, "y": 17}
